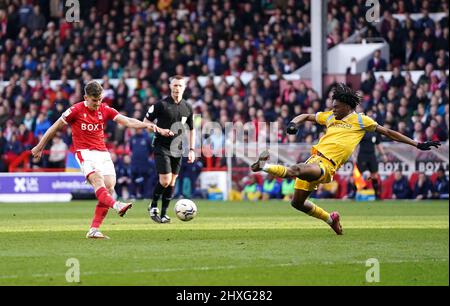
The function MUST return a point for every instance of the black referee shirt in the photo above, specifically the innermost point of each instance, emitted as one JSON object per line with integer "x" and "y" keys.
{"x": 167, "y": 112}
{"x": 368, "y": 142}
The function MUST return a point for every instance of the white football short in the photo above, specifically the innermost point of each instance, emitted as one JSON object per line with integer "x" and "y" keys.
{"x": 95, "y": 161}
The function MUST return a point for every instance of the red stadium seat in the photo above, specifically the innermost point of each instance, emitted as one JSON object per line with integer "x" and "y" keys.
{"x": 413, "y": 179}
{"x": 433, "y": 178}
{"x": 342, "y": 186}
{"x": 386, "y": 187}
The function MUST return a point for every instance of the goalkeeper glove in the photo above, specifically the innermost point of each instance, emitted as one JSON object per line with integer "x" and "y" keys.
{"x": 291, "y": 128}
{"x": 426, "y": 146}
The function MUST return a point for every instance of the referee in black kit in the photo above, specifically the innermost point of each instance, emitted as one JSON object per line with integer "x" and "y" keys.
{"x": 367, "y": 159}
{"x": 174, "y": 113}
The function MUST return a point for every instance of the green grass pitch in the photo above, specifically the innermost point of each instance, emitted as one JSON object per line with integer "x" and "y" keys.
{"x": 228, "y": 243}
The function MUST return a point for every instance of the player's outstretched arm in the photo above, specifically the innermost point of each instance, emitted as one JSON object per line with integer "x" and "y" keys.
{"x": 49, "y": 134}
{"x": 394, "y": 135}
{"x": 134, "y": 123}
{"x": 137, "y": 124}
{"x": 163, "y": 132}
{"x": 292, "y": 127}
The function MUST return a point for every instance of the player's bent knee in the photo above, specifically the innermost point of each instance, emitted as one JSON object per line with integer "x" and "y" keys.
{"x": 164, "y": 183}
{"x": 295, "y": 170}
{"x": 96, "y": 180}
{"x": 297, "y": 204}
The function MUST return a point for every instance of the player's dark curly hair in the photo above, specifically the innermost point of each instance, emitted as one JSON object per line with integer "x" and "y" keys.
{"x": 346, "y": 95}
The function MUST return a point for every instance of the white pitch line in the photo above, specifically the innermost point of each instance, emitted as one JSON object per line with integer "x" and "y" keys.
{"x": 229, "y": 267}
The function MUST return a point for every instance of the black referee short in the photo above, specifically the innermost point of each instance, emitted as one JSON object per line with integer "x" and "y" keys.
{"x": 165, "y": 163}
{"x": 367, "y": 162}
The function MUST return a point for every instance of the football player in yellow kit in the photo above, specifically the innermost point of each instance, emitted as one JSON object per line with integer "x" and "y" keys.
{"x": 344, "y": 130}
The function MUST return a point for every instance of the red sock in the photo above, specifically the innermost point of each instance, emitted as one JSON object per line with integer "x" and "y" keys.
{"x": 100, "y": 214}
{"x": 104, "y": 197}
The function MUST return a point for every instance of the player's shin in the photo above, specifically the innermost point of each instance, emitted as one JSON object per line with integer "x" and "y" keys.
{"x": 318, "y": 212}
{"x": 276, "y": 170}
{"x": 100, "y": 213}
{"x": 159, "y": 189}
{"x": 166, "y": 198}
{"x": 104, "y": 197}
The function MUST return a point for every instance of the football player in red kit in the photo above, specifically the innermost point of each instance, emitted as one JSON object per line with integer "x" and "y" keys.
{"x": 88, "y": 120}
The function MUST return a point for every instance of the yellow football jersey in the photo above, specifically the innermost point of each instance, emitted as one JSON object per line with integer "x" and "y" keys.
{"x": 342, "y": 136}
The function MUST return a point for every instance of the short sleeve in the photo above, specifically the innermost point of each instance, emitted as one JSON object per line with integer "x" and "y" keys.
{"x": 153, "y": 111}
{"x": 378, "y": 138}
{"x": 369, "y": 124}
{"x": 323, "y": 118}
{"x": 111, "y": 113}
{"x": 69, "y": 115}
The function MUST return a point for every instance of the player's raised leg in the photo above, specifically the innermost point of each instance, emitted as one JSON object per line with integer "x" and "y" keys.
{"x": 101, "y": 210}
{"x": 105, "y": 202}
{"x": 303, "y": 204}
{"x": 308, "y": 172}
{"x": 304, "y": 173}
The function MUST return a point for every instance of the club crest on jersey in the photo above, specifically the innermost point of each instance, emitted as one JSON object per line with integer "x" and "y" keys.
{"x": 100, "y": 116}
{"x": 85, "y": 116}
{"x": 183, "y": 120}
{"x": 67, "y": 112}
{"x": 151, "y": 109}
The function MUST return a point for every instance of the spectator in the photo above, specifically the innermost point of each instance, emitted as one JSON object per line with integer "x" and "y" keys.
{"x": 397, "y": 80}
{"x": 351, "y": 188}
{"x": 327, "y": 191}
{"x": 287, "y": 189}
{"x": 12, "y": 149}
{"x": 235, "y": 195}
{"x": 36, "y": 21}
{"x": 187, "y": 179}
{"x": 400, "y": 188}
{"x": 252, "y": 191}
{"x": 2, "y": 151}
{"x": 423, "y": 189}
{"x": 25, "y": 11}
{"x": 140, "y": 146}
{"x": 123, "y": 172}
{"x": 271, "y": 188}
{"x": 377, "y": 63}
{"x": 25, "y": 137}
{"x": 58, "y": 152}
{"x": 4, "y": 116}
{"x": 42, "y": 125}
{"x": 441, "y": 185}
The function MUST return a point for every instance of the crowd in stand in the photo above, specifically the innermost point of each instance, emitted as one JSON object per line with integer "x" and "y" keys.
{"x": 152, "y": 40}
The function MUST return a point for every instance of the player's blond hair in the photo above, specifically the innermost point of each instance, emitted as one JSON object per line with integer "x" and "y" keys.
{"x": 93, "y": 89}
{"x": 177, "y": 77}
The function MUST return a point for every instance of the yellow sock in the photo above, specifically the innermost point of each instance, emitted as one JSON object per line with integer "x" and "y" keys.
{"x": 277, "y": 170}
{"x": 319, "y": 213}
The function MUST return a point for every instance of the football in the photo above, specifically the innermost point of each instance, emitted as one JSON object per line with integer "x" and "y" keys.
{"x": 185, "y": 209}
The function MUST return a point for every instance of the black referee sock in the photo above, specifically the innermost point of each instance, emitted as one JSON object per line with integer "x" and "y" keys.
{"x": 376, "y": 187}
{"x": 159, "y": 189}
{"x": 166, "y": 197}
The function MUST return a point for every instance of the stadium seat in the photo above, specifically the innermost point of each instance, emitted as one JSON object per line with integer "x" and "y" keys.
{"x": 433, "y": 178}
{"x": 413, "y": 179}
{"x": 386, "y": 187}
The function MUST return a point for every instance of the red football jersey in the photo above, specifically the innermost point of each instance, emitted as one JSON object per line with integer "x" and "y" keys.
{"x": 88, "y": 125}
